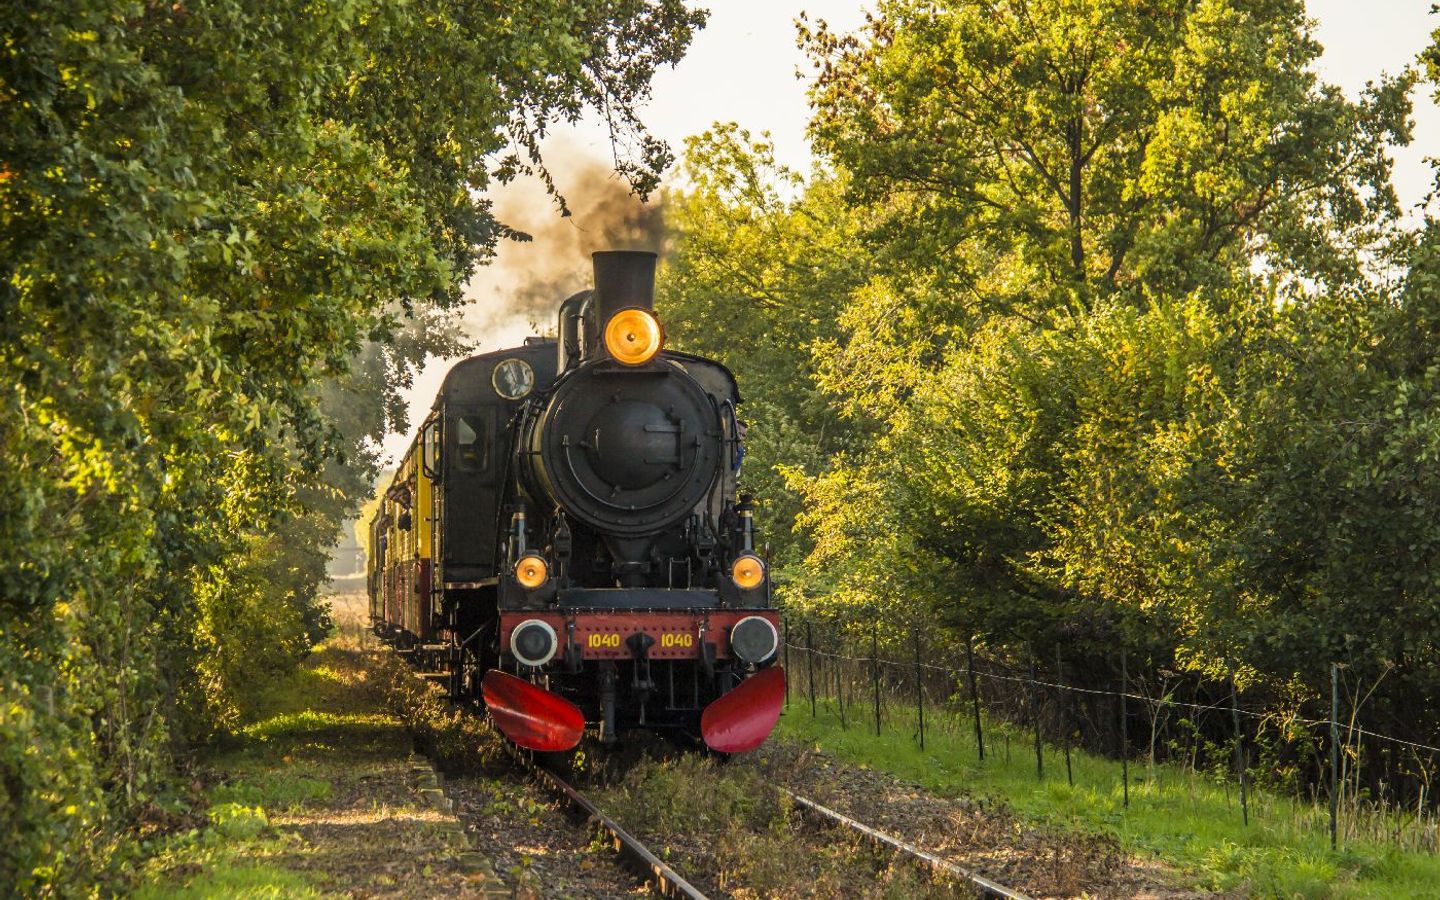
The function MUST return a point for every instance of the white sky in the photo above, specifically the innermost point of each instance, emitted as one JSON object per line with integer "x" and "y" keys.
{"x": 743, "y": 67}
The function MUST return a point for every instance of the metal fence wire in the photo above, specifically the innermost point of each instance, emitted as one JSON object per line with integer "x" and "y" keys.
{"x": 999, "y": 702}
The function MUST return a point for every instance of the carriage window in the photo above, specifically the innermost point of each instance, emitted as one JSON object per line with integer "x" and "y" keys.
{"x": 471, "y": 446}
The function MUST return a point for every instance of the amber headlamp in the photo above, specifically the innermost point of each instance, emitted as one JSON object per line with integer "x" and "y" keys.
{"x": 632, "y": 336}
{"x": 747, "y": 572}
{"x": 531, "y": 571}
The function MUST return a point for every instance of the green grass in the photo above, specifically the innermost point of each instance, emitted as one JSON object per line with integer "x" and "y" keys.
{"x": 271, "y": 789}
{"x": 315, "y": 793}
{"x": 231, "y": 856}
{"x": 243, "y": 882}
{"x": 1188, "y": 819}
{"x": 727, "y": 821}
{"x": 270, "y": 765}
{"x": 225, "y": 859}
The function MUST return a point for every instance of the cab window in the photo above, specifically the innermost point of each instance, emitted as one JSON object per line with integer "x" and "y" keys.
{"x": 472, "y": 444}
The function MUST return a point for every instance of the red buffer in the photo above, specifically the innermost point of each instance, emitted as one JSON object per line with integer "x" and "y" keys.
{"x": 742, "y": 719}
{"x": 531, "y": 716}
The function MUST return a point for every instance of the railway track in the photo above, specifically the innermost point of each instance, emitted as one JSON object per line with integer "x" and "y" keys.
{"x": 669, "y": 883}
{"x": 665, "y": 881}
{"x": 983, "y": 886}
{"x": 662, "y": 879}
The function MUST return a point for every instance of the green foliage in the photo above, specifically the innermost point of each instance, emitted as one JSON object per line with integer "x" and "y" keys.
{"x": 1026, "y": 159}
{"x": 229, "y": 231}
{"x": 1115, "y": 339}
{"x": 235, "y": 820}
{"x": 1139, "y": 269}
{"x": 761, "y": 266}
{"x": 1033, "y": 156}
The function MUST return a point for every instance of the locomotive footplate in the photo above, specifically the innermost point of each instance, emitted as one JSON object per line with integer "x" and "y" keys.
{"x": 597, "y": 634}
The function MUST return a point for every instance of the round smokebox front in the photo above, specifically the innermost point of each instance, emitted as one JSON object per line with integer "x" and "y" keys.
{"x": 628, "y": 452}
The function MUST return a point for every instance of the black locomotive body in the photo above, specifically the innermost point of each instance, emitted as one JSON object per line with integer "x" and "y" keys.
{"x": 565, "y": 535}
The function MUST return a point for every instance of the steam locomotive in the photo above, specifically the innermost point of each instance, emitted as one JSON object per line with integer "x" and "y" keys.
{"x": 564, "y": 540}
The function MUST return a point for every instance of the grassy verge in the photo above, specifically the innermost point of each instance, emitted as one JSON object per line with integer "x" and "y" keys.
{"x": 1180, "y": 816}
{"x": 318, "y": 796}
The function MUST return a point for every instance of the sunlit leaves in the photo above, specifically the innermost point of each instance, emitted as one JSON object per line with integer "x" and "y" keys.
{"x": 1102, "y": 146}
{"x": 762, "y": 263}
{"x": 1137, "y": 264}
{"x": 228, "y": 231}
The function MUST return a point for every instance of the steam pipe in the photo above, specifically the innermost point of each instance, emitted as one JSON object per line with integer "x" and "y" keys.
{"x": 746, "y": 509}
{"x": 571, "y": 313}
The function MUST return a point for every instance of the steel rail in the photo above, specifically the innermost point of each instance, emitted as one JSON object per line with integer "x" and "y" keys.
{"x": 984, "y": 886}
{"x": 651, "y": 869}
{"x": 663, "y": 879}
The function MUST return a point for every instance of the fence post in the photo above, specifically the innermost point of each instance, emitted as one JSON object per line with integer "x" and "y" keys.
{"x": 919, "y": 688}
{"x": 810, "y": 664}
{"x": 785, "y": 628}
{"x": 875, "y": 670}
{"x": 1065, "y": 718}
{"x": 822, "y": 680}
{"x": 840, "y": 686}
{"x": 1239, "y": 749}
{"x": 1124, "y": 730}
{"x": 974, "y": 695}
{"x": 1334, "y": 754}
{"x": 1035, "y": 717}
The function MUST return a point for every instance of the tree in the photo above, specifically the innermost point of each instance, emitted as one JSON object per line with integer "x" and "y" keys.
{"x": 1089, "y": 215}
{"x": 1033, "y": 156}
{"x": 207, "y": 210}
{"x": 760, "y": 267}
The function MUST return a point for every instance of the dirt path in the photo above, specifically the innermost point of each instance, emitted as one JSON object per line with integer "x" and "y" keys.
{"x": 322, "y": 795}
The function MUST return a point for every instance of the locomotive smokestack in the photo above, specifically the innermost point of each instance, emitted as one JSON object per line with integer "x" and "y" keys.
{"x": 623, "y": 279}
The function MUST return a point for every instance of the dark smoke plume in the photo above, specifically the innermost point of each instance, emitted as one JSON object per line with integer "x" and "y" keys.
{"x": 526, "y": 280}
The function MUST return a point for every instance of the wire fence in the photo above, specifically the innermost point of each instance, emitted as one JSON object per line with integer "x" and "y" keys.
{"x": 836, "y": 671}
